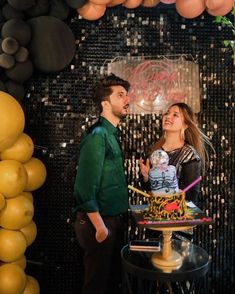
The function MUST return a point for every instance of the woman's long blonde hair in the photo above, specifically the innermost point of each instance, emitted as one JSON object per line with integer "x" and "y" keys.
{"x": 193, "y": 135}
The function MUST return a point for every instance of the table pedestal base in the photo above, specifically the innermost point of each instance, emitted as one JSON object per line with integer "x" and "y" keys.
{"x": 168, "y": 259}
{"x": 173, "y": 261}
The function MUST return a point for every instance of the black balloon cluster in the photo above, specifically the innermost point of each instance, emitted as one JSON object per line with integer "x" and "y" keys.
{"x": 34, "y": 37}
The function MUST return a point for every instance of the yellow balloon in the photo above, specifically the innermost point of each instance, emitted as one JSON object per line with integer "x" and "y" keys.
{"x": 17, "y": 213}
{"x": 2, "y": 201}
{"x": 30, "y": 232}
{"x": 28, "y": 195}
{"x": 36, "y": 172}
{"x": 21, "y": 150}
{"x": 12, "y": 120}
{"x": 32, "y": 286}
{"x": 12, "y": 245}
{"x": 13, "y": 178}
{"x": 12, "y": 279}
{"x": 21, "y": 262}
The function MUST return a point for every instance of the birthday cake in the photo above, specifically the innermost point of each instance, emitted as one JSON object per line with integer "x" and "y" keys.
{"x": 166, "y": 202}
{"x": 166, "y": 207}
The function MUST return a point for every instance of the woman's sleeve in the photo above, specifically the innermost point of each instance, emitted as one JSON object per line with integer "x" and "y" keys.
{"x": 190, "y": 172}
{"x": 144, "y": 185}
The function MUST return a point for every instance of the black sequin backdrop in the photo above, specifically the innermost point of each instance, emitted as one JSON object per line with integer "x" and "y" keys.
{"x": 59, "y": 107}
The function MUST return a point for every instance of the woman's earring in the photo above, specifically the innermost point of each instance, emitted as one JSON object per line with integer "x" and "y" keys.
{"x": 182, "y": 135}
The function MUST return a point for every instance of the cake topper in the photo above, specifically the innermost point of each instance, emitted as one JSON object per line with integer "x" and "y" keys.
{"x": 162, "y": 177}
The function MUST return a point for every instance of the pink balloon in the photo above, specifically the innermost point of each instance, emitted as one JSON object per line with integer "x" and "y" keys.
{"x": 150, "y": 3}
{"x": 214, "y": 4}
{"x": 190, "y": 8}
{"x": 115, "y": 3}
{"x": 225, "y": 9}
{"x": 91, "y": 11}
{"x": 100, "y": 2}
{"x": 168, "y": 1}
{"x": 132, "y": 3}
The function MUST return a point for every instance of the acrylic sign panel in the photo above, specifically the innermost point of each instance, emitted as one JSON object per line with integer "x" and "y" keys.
{"x": 158, "y": 83}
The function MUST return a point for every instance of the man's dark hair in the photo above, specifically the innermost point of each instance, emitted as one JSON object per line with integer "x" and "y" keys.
{"x": 103, "y": 90}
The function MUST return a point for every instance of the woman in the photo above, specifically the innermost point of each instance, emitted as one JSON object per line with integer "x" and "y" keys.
{"x": 184, "y": 143}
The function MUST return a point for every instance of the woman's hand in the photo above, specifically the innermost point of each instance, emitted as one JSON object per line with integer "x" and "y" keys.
{"x": 144, "y": 168}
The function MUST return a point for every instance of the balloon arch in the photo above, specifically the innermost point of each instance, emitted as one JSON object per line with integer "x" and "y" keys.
{"x": 95, "y": 9}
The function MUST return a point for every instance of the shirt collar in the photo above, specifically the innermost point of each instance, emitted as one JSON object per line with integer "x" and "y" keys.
{"x": 110, "y": 127}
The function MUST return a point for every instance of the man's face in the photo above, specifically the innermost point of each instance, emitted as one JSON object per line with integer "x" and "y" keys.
{"x": 119, "y": 101}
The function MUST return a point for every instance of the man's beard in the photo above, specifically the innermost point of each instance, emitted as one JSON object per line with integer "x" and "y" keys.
{"x": 119, "y": 114}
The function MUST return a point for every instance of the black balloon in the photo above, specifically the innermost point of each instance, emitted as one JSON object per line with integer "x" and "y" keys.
{"x": 10, "y": 45}
{"x": 59, "y": 9}
{"x": 40, "y": 8}
{"x": 21, "y": 72}
{"x": 2, "y": 2}
{"x": 9, "y": 12}
{"x": 6, "y": 61}
{"x": 75, "y": 3}
{"x": 17, "y": 29}
{"x": 22, "y": 4}
{"x": 53, "y": 44}
{"x": 2, "y": 18}
{"x": 22, "y": 54}
{"x": 2, "y": 86}
{"x": 14, "y": 89}
{"x": 1, "y": 46}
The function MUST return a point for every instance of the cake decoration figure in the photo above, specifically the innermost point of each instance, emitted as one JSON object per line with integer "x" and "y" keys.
{"x": 162, "y": 177}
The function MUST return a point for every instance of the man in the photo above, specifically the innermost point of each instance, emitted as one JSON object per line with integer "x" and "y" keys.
{"x": 101, "y": 191}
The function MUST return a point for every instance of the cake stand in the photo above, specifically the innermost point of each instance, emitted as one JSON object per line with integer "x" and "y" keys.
{"x": 167, "y": 259}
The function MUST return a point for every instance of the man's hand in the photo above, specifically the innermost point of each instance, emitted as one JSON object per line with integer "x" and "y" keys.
{"x": 101, "y": 234}
{"x": 101, "y": 230}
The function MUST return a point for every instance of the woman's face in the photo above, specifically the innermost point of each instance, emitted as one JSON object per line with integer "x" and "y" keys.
{"x": 173, "y": 120}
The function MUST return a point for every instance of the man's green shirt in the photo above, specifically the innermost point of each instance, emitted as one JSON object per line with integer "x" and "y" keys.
{"x": 100, "y": 183}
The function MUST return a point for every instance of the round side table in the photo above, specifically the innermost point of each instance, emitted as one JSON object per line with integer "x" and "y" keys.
{"x": 141, "y": 276}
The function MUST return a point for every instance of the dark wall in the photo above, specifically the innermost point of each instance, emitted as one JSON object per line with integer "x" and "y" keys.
{"x": 59, "y": 107}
